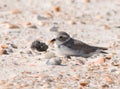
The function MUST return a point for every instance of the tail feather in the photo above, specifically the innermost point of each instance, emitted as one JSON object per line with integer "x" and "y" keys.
{"x": 102, "y": 48}
{"x": 103, "y": 52}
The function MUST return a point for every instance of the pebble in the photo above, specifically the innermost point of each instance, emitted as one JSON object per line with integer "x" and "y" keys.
{"x": 115, "y": 63}
{"x": 54, "y": 61}
{"x": 72, "y": 22}
{"x": 9, "y": 50}
{"x": 29, "y": 25}
{"x": 106, "y": 27}
{"x": 39, "y": 17}
{"x": 39, "y": 46}
{"x": 98, "y": 17}
{"x": 108, "y": 79}
{"x": 3, "y": 51}
{"x": 54, "y": 29}
{"x": 12, "y": 26}
{"x": 83, "y": 83}
{"x": 48, "y": 55}
{"x": 14, "y": 46}
{"x": 16, "y": 11}
{"x": 29, "y": 52}
{"x": 48, "y": 15}
{"x": 99, "y": 61}
{"x": 57, "y": 9}
{"x": 108, "y": 57}
{"x": 105, "y": 86}
{"x": 4, "y": 46}
{"x": 86, "y": 1}
{"x": 41, "y": 23}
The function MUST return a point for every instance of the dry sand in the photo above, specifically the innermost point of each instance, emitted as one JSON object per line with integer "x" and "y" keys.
{"x": 92, "y": 21}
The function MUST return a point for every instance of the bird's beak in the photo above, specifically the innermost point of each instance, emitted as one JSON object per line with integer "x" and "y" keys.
{"x": 52, "y": 41}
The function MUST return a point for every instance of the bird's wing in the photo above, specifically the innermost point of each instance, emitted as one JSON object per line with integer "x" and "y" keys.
{"x": 83, "y": 46}
{"x": 79, "y": 45}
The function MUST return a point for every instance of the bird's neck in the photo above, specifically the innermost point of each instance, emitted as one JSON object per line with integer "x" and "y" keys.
{"x": 66, "y": 41}
{"x": 63, "y": 43}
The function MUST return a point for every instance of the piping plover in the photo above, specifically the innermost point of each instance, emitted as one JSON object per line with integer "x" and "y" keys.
{"x": 64, "y": 45}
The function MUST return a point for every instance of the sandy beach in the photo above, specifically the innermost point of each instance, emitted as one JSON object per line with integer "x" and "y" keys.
{"x": 95, "y": 22}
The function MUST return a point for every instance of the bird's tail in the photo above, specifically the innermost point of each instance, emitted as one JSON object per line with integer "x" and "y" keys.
{"x": 102, "y": 48}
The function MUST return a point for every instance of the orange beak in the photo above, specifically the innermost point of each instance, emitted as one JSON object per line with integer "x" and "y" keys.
{"x": 52, "y": 41}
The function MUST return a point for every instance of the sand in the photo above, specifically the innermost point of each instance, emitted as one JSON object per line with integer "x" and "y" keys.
{"x": 96, "y": 22}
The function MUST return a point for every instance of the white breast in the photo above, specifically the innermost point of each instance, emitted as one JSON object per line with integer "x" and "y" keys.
{"x": 65, "y": 51}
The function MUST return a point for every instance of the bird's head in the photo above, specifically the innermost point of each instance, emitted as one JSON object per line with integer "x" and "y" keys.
{"x": 61, "y": 37}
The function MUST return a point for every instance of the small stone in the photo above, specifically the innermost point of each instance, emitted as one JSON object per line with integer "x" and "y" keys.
{"x": 39, "y": 17}
{"x": 48, "y": 55}
{"x": 54, "y": 61}
{"x": 16, "y": 11}
{"x": 99, "y": 61}
{"x": 5, "y": 5}
{"x": 108, "y": 57}
{"x": 29, "y": 52}
{"x": 8, "y": 50}
{"x": 14, "y": 46}
{"x": 83, "y": 83}
{"x": 71, "y": 22}
{"x": 34, "y": 12}
{"x": 41, "y": 23}
{"x": 39, "y": 46}
{"x": 105, "y": 86}
{"x": 86, "y": 1}
{"x": 115, "y": 63}
{"x": 29, "y": 25}
{"x": 108, "y": 79}
{"x": 106, "y": 27}
{"x": 54, "y": 29}
{"x": 113, "y": 70}
{"x": 12, "y": 26}
{"x": 98, "y": 17}
{"x": 57, "y": 9}
{"x": 3, "y": 51}
{"x": 4, "y": 46}
{"x": 59, "y": 87}
{"x": 77, "y": 77}
{"x": 117, "y": 26}
{"x": 48, "y": 15}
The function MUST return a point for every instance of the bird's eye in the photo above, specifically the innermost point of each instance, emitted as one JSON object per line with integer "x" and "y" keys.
{"x": 61, "y": 37}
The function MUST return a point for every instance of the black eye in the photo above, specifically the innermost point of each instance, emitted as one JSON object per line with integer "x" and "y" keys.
{"x": 61, "y": 37}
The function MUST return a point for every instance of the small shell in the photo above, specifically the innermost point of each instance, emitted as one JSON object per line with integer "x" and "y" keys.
{"x": 100, "y": 61}
{"x": 16, "y": 11}
{"x": 54, "y": 61}
{"x": 48, "y": 55}
{"x": 57, "y": 9}
{"x": 86, "y": 1}
{"x": 12, "y": 26}
{"x": 41, "y": 23}
{"x": 108, "y": 79}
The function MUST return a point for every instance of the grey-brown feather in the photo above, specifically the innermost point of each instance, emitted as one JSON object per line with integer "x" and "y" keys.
{"x": 79, "y": 45}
